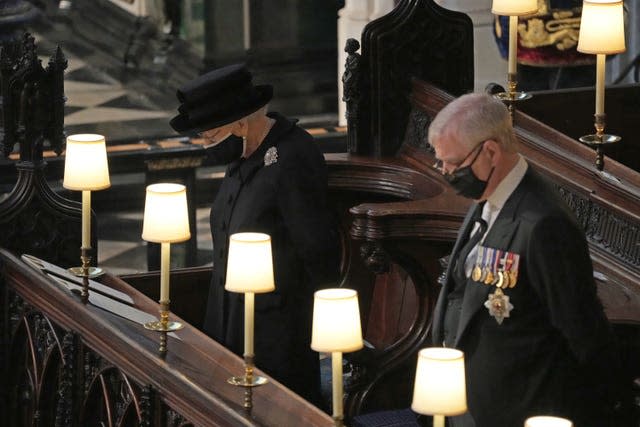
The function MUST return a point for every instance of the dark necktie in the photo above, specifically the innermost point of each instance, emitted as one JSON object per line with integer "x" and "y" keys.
{"x": 473, "y": 241}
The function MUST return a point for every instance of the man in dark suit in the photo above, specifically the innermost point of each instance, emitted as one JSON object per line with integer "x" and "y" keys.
{"x": 276, "y": 183}
{"x": 519, "y": 298}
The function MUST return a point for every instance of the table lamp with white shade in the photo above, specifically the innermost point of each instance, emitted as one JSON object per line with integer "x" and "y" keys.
{"x": 440, "y": 385}
{"x": 166, "y": 221}
{"x": 336, "y": 329}
{"x": 86, "y": 169}
{"x": 602, "y": 34}
{"x": 249, "y": 271}
{"x": 547, "y": 421}
{"x": 513, "y": 9}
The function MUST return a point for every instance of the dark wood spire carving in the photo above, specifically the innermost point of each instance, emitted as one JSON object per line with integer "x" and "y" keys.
{"x": 36, "y": 219}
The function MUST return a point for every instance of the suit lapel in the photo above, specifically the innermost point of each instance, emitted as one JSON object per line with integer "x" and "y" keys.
{"x": 446, "y": 288}
{"x": 500, "y": 236}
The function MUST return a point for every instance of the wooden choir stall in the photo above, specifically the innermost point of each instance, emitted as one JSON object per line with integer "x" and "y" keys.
{"x": 65, "y": 362}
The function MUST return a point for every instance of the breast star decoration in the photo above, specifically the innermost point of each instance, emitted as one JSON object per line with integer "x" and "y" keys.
{"x": 498, "y": 305}
{"x": 271, "y": 156}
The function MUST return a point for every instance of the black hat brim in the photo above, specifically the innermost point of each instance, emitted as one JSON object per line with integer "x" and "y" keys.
{"x": 182, "y": 124}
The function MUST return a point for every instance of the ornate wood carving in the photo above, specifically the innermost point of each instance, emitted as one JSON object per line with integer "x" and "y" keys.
{"x": 351, "y": 92}
{"x": 417, "y": 39}
{"x": 54, "y": 381}
{"x": 418, "y": 130}
{"x": 74, "y": 364}
{"x": 37, "y": 220}
{"x": 610, "y": 232}
{"x": 64, "y": 410}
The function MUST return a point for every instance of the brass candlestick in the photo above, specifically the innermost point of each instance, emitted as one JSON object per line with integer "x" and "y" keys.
{"x": 511, "y": 96}
{"x": 163, "y": 326}
{"x": 85, "y": 270}
{"x": 599, "y": 140}
{"x": 248, "y": 381}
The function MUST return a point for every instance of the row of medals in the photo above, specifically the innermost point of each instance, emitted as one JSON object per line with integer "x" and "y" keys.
{"x": 485, "y": 271}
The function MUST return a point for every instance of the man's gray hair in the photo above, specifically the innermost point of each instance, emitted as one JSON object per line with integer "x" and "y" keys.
{"x": 472, "y": 119}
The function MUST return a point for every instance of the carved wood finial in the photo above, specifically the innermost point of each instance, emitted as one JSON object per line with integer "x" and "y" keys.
{"x": 351, "y": 92}
{"x": 33, "y": 100}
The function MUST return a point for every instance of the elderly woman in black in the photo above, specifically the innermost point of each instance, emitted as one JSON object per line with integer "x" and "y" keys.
{"x": 276, "y": 183}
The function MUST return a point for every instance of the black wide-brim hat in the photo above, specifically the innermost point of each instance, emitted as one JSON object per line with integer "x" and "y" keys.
{"x": 217, "y": 98}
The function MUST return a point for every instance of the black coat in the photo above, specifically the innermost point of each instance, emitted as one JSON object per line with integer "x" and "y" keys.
{"x": 554, "y": 354}
{"x": 287, "y": 200}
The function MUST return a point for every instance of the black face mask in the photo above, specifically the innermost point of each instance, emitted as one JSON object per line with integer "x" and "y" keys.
{"x": 466, "y": 183}
{"x": 226, "y": 152}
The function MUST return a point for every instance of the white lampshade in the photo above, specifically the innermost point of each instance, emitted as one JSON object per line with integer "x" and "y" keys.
{"x": 440, "y": 386}
{"x": 601, "y": 27}
{"x": 85, "y": 163}
{"x": 336, "y": 321}
{"x": 514, "y": 7}
{"x": 545, "y": 421}
{"x": 250, "y": 264}
{"x": 166, "y": 216}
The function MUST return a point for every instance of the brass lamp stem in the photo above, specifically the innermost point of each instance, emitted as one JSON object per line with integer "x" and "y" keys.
{"x": 248, "y": 381}
{"x": 164, "y": 326}
{"x": 85, "y": 258}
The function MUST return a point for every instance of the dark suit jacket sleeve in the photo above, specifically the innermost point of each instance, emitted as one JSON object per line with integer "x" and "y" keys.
{"x": 560, "y": 269}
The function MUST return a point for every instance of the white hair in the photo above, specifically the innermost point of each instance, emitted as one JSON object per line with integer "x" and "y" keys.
{"x": 473, "y": 118}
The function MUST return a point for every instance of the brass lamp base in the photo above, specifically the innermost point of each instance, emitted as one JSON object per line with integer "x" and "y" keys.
{"x": 510, "y": 97}
{"x": 598, "y": 141}
{"x": 507, "y": 97}
{"x": 163, "y": 326}
{"x": 245, "y": 381}
{"x": 158, "y": 326}
{"x": 92, "y": 272}
{"x": 595, "y": 139}
{"x": 248, "y": 381}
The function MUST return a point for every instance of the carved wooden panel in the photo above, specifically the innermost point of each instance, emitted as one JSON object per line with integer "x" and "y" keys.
{"x": 417, "y": 39}
{"x": 54, "y": 379}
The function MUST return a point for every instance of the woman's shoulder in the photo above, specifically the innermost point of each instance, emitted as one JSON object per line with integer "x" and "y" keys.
{"x": 295, "y": 143}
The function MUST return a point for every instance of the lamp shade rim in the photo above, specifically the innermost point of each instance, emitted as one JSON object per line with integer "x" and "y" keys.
{"x": 420, "y": 410}
{"x": 608, "y": 2}
{"x": 248, "y": 290}
{"x": 601, "y": 52}
{"x": 330, "y": 349}
{"x": 503, "y": 13}
{"x": 332, "y": 294}
{"x": 86, "y": 138}
{"x": 82, "y": 188}
{"x": 250, "y": 237}
{"x": 184, "y": 238}
{"x": 165, "y": 188}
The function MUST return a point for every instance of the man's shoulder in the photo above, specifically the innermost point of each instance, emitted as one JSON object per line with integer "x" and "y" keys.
{"x": 541, "y": 199}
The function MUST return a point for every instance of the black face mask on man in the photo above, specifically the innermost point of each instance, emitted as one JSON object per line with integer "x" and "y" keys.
{"x": 465, "y": 182}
